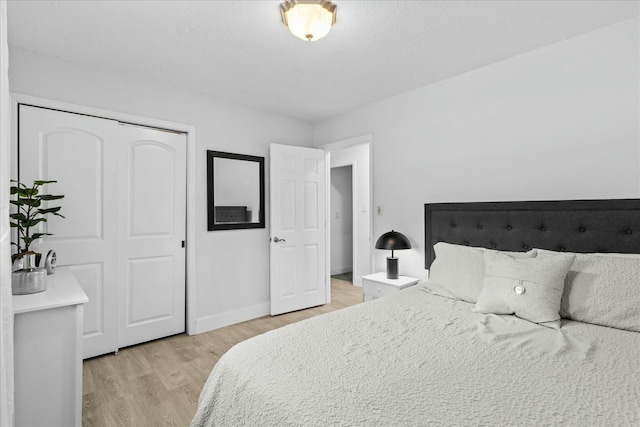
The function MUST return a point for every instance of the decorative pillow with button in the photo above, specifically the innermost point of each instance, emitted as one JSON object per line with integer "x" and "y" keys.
{"x": 458, "y": 271}
{"x": 530, "y": 288}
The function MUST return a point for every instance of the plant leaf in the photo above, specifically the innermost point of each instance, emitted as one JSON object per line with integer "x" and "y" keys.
{"x": 30, "y": 202}
{"x": 49, "y": 210}
{"x": 57, "y": 214}
{"x": 36, "y": 221}
{"x": 13, "y": 224}
{"x": 19, "y": 216}
{"x": 39, "y": 235}
{"x": 43, "y": 182}
{"x": 27, "y": 192}
{"x": 49, "y": 197}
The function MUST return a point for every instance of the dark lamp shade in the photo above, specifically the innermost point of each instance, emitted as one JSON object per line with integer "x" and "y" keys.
{"x": 393, "y": 241}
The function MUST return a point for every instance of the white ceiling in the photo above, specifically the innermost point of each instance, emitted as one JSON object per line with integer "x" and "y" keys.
{"x": 240, "y": 52}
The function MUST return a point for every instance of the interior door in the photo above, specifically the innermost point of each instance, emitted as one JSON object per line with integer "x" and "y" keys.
{"x": 298, "y": 228}
{"x": 125, "y": 203}
{"x": 152, "y": 218}
{"x": 79, "y": 152}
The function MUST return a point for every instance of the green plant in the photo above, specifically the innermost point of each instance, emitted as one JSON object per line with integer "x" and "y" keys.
{"x": 29, "y": 211}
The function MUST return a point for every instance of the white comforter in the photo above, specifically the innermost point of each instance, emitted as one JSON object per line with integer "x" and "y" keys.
{"x": 417, "y": 359}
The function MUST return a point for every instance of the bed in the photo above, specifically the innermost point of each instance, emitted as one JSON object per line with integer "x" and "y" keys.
{"x": 429, "y": 356}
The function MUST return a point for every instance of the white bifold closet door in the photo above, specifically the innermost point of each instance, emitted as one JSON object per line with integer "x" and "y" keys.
{"x": 125, "y": 207}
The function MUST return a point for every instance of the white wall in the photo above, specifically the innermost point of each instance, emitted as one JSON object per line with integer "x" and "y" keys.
{"x": 560, "y": 122}
{"x": 232, "y": 267}
{"x": 341, "y": 220}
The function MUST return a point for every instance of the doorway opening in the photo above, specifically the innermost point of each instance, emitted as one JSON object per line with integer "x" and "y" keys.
{"x": 355, "y": 154}
{"x": 341, "y": 202}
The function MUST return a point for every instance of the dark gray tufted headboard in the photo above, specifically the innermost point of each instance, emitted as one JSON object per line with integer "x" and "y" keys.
{"x": 564, "y": 225}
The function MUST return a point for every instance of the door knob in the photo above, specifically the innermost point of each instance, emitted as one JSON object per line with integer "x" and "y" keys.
{"x": 277, "y": 239}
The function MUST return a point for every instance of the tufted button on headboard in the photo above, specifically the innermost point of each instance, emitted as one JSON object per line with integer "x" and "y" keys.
{"x": 562, "y": 225}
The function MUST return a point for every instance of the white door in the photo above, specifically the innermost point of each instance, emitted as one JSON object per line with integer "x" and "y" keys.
{"x": 79, "y": 152}
{"x": 115, "y": 237}
{"x": 152, "y": 230}
{"x": 298, "y": 228}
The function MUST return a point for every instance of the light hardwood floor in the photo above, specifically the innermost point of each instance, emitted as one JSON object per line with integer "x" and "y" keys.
{"x": 158, "y": 383}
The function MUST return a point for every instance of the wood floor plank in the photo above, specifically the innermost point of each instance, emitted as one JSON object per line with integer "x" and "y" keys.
{"x": 91, "y": 411}
{"x": 199, "y": 369}
{"x": 158, "y": 383}
{"x": 131, "y": 364}
{"x": 88, "y": 385}
{"x": 119, "y": 412}
{"x": 186, "y": 399}
{"x": 109, "y": 382}
{"x": 174, "y": 376}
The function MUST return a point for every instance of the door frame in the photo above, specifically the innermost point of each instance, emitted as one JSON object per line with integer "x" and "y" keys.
{"x": 332, "y": 147}
{"x": 189, "y": 130}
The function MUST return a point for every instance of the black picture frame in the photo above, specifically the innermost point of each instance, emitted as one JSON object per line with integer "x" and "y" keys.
{"x": 235, "y": 215}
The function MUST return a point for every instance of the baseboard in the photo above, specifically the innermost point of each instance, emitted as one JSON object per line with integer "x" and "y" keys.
{"x": 231, "y": 317}
{"x": 341, "y": 270}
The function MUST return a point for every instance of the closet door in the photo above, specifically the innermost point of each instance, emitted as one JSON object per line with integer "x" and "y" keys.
{"x": 125, "y": 203}
{"x": 152, "y": 228}
{"x": 81, "y": 153}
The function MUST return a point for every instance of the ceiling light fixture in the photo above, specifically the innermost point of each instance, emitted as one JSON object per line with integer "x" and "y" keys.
{"x": 309, "y": 20}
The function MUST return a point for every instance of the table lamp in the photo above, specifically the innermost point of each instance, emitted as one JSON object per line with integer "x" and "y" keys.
{"x": 393, "y": 241}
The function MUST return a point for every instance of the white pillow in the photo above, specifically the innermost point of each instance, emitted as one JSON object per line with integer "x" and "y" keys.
{"x": 602, "y": 289}
{"x": 615, "y": 255}
{"x": 530, "y": 288}
{"x": 458, "y": 271}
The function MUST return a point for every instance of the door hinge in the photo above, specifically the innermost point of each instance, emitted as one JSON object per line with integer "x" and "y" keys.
{"x": 183, "y": 243}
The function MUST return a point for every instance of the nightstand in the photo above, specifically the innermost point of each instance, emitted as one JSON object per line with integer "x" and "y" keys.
{"x": 377, "y": 285}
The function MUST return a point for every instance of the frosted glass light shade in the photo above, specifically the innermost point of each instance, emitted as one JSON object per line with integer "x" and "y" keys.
{"x": 309, "y": 20}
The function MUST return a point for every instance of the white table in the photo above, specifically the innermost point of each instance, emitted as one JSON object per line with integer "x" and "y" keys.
{"x": 48, "y": 354}
{"x": 377, "y": 285}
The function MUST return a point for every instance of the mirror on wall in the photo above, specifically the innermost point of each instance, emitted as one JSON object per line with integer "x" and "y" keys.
{"x": 235, "y": 191}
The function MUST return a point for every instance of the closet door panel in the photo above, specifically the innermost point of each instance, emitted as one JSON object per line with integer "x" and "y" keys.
{"x": 151, "y": 195}
{"x": 75, "y": 150}
{"x": 152, "y": 265}
{"x": 75, "y": 157}
{"x": 149, "y": 296}
{"x": 91, "y": 278}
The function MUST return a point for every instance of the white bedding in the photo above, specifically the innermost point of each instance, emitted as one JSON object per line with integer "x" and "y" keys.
{"x": 418, "y": 359}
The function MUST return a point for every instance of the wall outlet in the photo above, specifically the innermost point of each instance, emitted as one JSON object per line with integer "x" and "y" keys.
{"x": 379, "y": 210}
